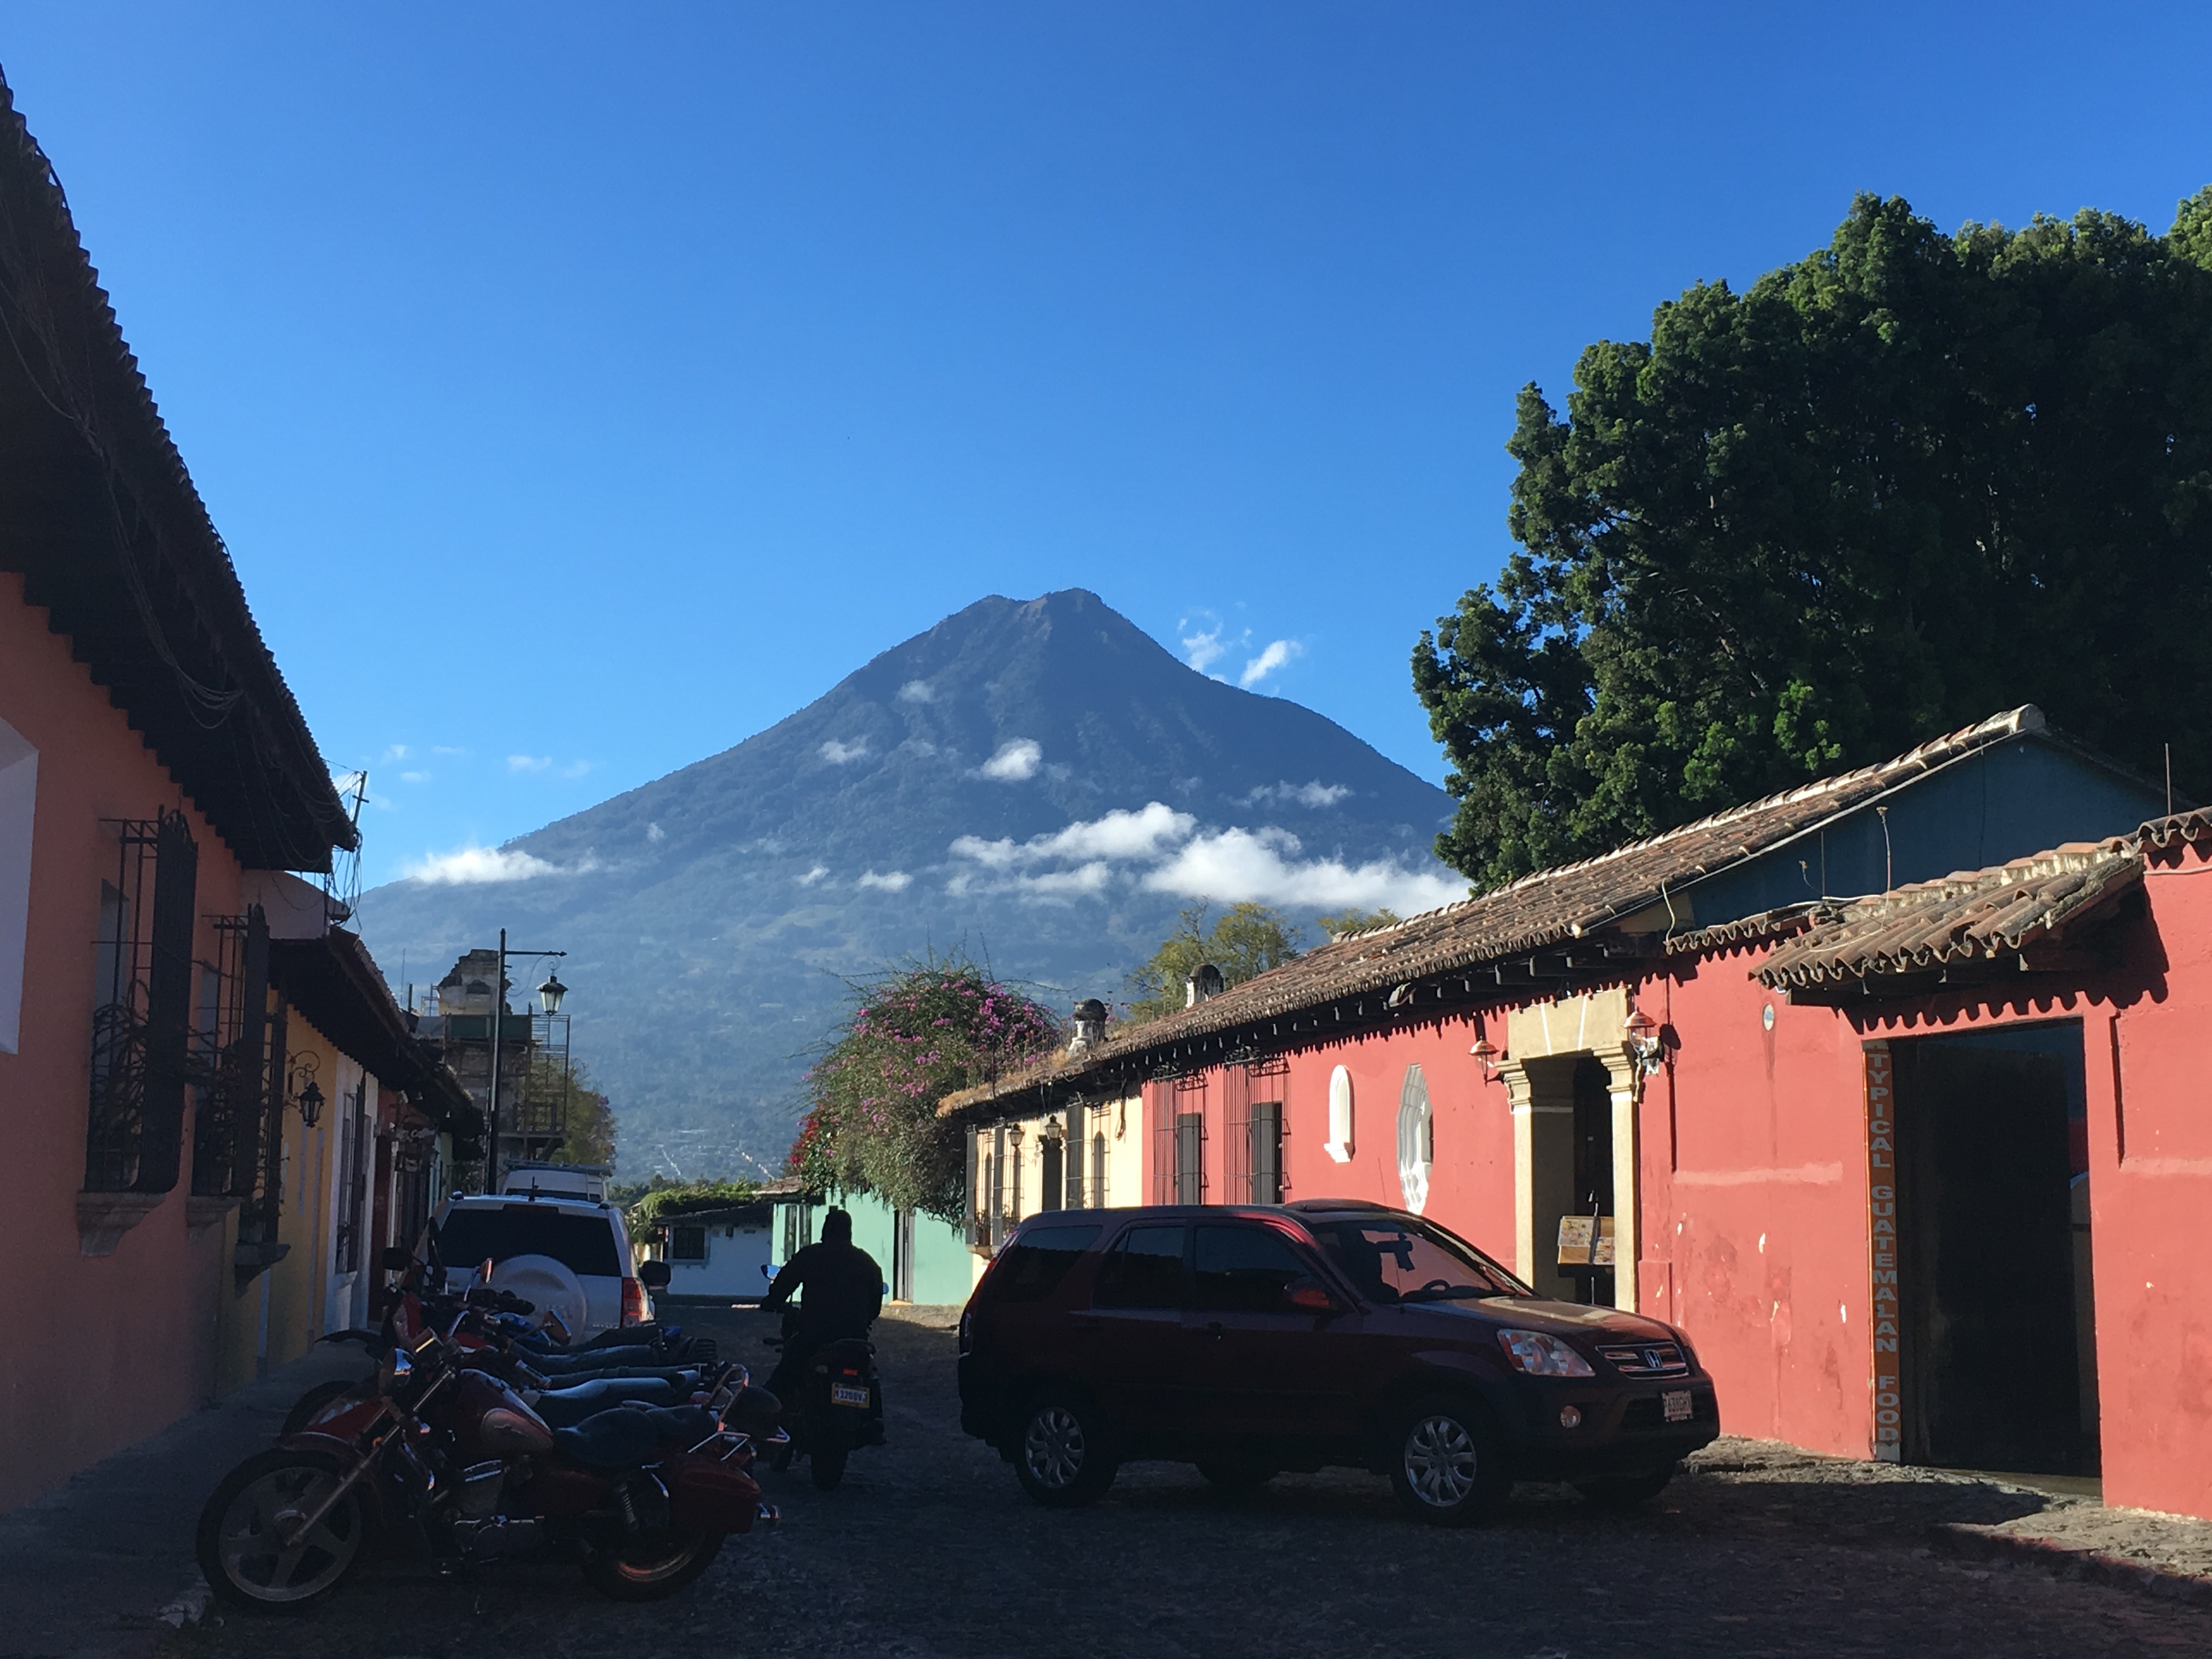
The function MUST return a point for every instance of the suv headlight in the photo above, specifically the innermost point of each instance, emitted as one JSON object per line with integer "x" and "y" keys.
{"x": 1540, "y": 1355}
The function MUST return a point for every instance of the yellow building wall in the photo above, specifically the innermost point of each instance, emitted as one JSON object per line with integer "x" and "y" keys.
{"x": 1123, "y": 1121}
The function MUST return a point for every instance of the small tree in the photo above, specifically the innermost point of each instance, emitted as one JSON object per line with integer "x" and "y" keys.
{"x": 1244, "y": 940}
{"x": 915, "y": 1036}
{"x": 589, "y": 1124}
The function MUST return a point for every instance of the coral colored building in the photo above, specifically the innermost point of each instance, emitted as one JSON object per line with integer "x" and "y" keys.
{"x": 1913, "y": 1171}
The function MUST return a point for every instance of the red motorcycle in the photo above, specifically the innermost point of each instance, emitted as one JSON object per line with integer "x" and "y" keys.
{"x": 447, "y": 1459}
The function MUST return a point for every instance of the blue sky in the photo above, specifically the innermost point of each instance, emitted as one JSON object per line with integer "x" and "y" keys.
{"x": 583, "y": 388}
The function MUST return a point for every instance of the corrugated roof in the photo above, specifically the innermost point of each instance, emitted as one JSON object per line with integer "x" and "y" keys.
{"x": 1537, "y": 913}
{"x": 1970, "y": 916}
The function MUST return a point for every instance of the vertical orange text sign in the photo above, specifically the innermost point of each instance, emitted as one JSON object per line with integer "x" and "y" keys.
{"x": 1882, "y": 1235}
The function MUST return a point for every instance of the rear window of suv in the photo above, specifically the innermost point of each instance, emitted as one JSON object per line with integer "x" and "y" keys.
{"x": 1030, "y": 1268}
{"x": 583, "y": 1244}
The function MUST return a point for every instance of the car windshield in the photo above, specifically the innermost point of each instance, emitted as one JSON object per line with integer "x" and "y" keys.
{"x": 1393, "y": 1261}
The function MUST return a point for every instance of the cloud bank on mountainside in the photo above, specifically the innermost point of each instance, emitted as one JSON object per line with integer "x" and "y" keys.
{"x": 1160, "y": 850}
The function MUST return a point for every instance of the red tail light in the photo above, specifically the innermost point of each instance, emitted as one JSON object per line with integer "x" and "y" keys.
{"x": 633, "y": 1302}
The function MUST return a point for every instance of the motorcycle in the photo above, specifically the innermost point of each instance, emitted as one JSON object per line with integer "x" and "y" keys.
{"x": 836, "y": 1409}
{"x": 444, "y": 1458}
{"x": 541, "y": 1359}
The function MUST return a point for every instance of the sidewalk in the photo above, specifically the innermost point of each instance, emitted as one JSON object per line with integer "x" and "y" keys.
{"x": 2018, "y": 1521}
{"x": 87, "y": 1569}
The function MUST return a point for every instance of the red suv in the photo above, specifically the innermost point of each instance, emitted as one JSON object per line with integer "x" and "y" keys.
{"x": 1249, "y": 1341}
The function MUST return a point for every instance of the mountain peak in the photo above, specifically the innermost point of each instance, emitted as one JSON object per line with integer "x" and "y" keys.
{"x": 1038, "y": 782}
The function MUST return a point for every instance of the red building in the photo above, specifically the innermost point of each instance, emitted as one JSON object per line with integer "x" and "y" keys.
{"x": 1912, "y": 1171}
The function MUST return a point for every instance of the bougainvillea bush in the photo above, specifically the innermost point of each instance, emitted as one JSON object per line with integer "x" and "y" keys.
{"x": 912, "y": 1037}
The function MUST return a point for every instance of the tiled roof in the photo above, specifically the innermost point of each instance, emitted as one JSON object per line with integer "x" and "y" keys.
{"x": 1540, "y": 912}
{"x": 113, "y": 541}
{"x": 1972, "y": 916}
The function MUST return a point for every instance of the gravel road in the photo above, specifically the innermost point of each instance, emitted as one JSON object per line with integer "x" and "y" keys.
{"x": 931, "y": 1549}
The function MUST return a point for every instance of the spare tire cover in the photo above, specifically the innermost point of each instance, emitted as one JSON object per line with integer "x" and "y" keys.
{"x": 545, "y": 1282}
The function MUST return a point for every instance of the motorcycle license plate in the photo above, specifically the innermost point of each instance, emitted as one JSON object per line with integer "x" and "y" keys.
{"x": 1675, "y": 1406}
{"x": 844, "y": 1394}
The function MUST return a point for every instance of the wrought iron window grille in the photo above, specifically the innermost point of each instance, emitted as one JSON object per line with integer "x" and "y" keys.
{"x": 140, "y": 1024}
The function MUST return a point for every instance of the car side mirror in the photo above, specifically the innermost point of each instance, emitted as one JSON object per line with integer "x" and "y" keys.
{"x": 654, "y": 1275}
{"x": 1307, "y": 1297}
{"x": 396, "y": 1259}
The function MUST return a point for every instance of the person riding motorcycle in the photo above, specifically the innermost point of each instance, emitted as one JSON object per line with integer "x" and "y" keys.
{"x": 844, "y": 1294}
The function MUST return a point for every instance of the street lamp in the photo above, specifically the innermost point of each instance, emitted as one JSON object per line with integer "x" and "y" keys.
{"x": 496, "y": 1024}
{"x": 551, "y": 993}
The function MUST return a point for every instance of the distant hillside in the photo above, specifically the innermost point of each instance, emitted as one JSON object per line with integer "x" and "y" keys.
{"x": 1041, "y": 784}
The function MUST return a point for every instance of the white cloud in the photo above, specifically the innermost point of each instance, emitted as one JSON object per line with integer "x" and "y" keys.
{"x": 919, "y": 745}
{"x": 1161, "y": 849}
{"x": 398, "y": 751}
{"x": 474, "y": 866}
{"x": 414, "y": 777}
{"x": 1014, "y": 762}
{"x": 1205, "y": 647}
{"x": 840, "y": 754}
{"x": 896, "y": 881}
{"x": 917, "y": 691}
{"x": 441, "y": 748}
{"x": 814, "y": 875}
{"x": 655, "y": 834}
{"x": 529, "y": 762}
{"x": 1119, "y": 835}
{"x": 576, "y": 769}
{"x": 1314, "y": 794}
{"x": 1231, "y": 865}
{"x": 1279, "y": 651}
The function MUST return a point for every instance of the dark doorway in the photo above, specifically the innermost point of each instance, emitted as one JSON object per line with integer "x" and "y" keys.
{"x": 1991, "y": 1160}
{"x": 1592, "y": 1193}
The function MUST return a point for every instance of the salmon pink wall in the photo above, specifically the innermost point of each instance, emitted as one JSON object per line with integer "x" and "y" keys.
{"x": 139, "y": 1323}
{"x": 1754, "y": 1203}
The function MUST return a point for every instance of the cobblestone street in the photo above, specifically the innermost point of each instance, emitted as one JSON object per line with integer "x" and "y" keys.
{"x": 930, "y": 1548}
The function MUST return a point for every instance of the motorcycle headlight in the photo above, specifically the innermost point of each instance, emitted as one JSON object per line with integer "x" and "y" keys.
{"x": 1541, "y": 1355}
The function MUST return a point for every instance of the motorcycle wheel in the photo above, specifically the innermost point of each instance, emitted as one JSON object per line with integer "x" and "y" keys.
{"x": 828, "y": 1466}
{"x": 308, "y": 1404}
{"x": 244, "y": 1557}
{"x": 651, "y": 1565}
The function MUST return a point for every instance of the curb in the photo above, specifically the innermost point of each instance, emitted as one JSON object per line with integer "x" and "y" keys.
{"x": 1975, "y": 1543}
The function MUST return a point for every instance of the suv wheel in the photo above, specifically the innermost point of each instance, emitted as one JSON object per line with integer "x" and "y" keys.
{"x": 1061, "y": 1452}
{"x": 1620, "y": 1491}
{"x": 1445, "y": 1463}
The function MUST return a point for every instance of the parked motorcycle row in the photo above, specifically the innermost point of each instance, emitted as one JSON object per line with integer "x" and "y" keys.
{"x": 484, "y": 1437}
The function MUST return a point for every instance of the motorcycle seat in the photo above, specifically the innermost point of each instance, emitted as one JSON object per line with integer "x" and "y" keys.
{"x": 593, "y": 1359}
{"x": 563, "y": 1408}
{"x": 855, "y": 1351}
{"x": 754, "y": 1411}
{"x": 612, "y": 1440}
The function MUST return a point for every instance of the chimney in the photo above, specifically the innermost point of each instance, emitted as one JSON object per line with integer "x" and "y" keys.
{"x": 1089, "y": 1025}
{"x": 1204, "y": 982}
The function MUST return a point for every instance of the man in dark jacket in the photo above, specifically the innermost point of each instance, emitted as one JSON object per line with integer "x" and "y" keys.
{"x": 844, "y": 1292}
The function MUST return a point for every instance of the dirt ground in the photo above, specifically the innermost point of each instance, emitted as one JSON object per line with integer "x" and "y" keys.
{"x": 931, "y": 1549}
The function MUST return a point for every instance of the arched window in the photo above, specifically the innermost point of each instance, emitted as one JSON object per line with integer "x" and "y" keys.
{"x": 1416, "y": 1139}
{"x": 1338, "y": 1144}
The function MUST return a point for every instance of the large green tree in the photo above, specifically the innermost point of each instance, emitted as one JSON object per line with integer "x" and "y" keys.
{"x": 912, "y": 1037}
{"x": 1907, "y": 481}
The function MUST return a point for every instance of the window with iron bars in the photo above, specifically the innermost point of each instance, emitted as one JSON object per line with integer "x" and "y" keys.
{"x": 238, "y": 1067}
{"x": 142, "y": 1009}
{"x": 1176, "y": 1107}
{"x": 353, "y": 1180}
{"x": 1255, "y": 1094}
